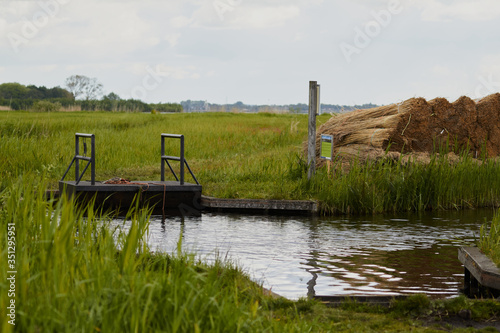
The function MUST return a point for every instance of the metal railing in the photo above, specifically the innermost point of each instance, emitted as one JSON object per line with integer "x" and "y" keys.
{"x": 76, "y": 159}
{"x": 181, "y": 159}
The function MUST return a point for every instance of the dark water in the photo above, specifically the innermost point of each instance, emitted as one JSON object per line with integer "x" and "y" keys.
{"x": 296, "y": 257}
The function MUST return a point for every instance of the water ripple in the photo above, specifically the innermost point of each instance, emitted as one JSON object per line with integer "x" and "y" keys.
{"x": 296, "y": 257}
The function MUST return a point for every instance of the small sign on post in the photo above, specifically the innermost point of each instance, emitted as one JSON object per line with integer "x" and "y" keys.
{"x": 326, "y": 149}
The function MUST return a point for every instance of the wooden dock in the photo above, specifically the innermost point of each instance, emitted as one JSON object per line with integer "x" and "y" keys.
{"x": 481, "y": 275}
{"x": 164, "y": 197}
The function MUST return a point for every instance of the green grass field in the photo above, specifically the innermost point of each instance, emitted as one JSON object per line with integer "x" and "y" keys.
{"x": 78, "y": 274}
{"x": 227, "y": 152}
{"x": 240, "y": 156}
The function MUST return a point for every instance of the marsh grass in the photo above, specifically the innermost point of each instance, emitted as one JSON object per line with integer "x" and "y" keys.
{"x": 226, "y": 151}
{"x": 489, "y": 239}
{"x": 77, "y": 273}
{"x": 74, "y": 274}
{"x": 394, "y": 186}
{"x": 242, "y": 156}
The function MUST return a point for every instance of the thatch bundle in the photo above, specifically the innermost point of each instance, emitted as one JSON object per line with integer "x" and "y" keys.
{"x": 417, "y": 126}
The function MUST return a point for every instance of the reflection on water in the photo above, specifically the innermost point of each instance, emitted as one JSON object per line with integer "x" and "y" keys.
{"x": 300, "y": 256}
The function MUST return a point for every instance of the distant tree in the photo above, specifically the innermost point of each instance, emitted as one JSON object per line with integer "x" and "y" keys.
{"x": 36, "y": 92}
{"x": 112, "y": 97}
{"x": 84, "y": 86}
{"x": 110, "y": 102}
{"x": 13, "y": 91}
{"x": 58, "y": 92}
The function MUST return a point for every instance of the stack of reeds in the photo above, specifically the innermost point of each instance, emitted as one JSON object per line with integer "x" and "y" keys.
{"x": 417, "y": 126}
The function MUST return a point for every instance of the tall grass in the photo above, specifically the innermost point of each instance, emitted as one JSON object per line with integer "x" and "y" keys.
{"x": 75, "y": 274}
{"x": 241, "y": 156}
{"x": 226, "y": 151}
{"x": 489, "y": 240}
{"x": 393, "y": 186}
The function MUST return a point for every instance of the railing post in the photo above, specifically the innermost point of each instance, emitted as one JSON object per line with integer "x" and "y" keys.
{"x": 182, "y": 160}
{"x": 162, "y": 161}
{"x": 77, "y": 161}
{"x": 92, "y": 163}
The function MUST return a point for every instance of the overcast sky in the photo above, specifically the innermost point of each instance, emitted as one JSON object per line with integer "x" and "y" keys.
{"x": 259, "y": 51}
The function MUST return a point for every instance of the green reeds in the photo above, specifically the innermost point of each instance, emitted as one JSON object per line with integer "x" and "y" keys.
{"x": 393, "y": 186}
{"x": 489, "y": 240}
{"x": 77, "y": 274}
{"x": 242, "y": 156}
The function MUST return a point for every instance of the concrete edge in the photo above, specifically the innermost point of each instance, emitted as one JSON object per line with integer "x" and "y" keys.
{"x": 480, "y": 266}
{"x": 380, "y": 300}
{"x": 243, "y": 206}
{"x": 260, "y": 205}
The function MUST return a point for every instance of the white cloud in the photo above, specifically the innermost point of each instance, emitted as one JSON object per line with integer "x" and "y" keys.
{"x": 163, "y": 70}
{"x": 244, "y": 15}
{"x": 265, "y": 17}
{"x": 98, "y": 28}
{"x": 465, "y": 10}
{"x": 181, "y": 21}
{"x": 47, "y": 68}
{"x": 441, "y": 70}
{"x": 178, "y": 72}
{"x": 105, "y": 30}
{"x": 299, "y": 36}
{"x": 490, "y": 64}
{"x": 172, "y": 38}
{"x": 198, "y": 54}
{"x": 3, "y": 26}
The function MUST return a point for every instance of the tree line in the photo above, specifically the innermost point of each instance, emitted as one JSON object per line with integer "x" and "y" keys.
{"x": 20, "y": 97}
{"x": 204, "y": 106}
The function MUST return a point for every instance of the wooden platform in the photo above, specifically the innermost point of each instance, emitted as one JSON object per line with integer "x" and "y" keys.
{"x": 168, "y": 197}
{"x": 481, "y": 276}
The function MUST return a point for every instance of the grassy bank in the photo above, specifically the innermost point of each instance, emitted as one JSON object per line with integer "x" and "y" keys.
{"x": 76, "y": 274}
{"x": 240, "y": 156}
{"x": 392, "y": 186}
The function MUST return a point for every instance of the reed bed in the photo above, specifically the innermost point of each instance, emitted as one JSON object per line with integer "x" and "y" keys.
{"x": 77, "y": 274}
{"x": 405, "y": 186}
{"x": 489, "y": 239}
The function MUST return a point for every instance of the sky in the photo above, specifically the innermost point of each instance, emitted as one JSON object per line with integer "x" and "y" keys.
{"x": 259, "y": 51}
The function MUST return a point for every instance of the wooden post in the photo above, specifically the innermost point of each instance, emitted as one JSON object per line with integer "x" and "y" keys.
{"x": 311, "y": 145}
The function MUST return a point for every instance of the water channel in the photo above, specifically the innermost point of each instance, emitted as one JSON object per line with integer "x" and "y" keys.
{"x": 333, "y": 256}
